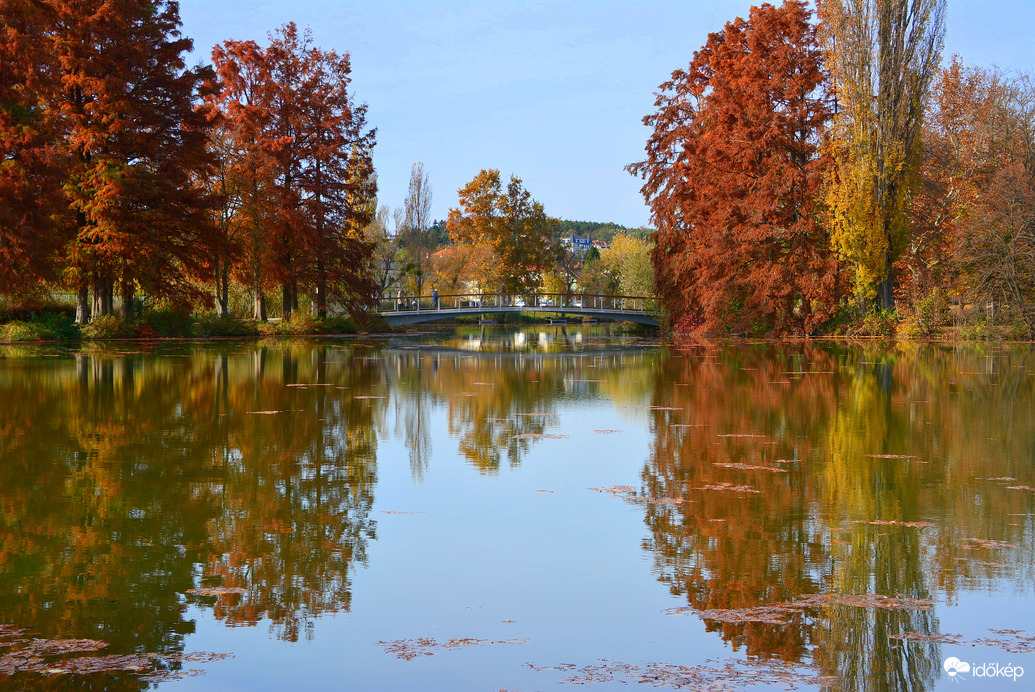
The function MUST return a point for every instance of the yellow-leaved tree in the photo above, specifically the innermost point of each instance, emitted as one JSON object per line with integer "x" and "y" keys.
{"x": 882, "y": 55}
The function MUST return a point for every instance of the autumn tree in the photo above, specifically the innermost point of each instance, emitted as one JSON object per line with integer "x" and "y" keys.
{"x": 31, "y": 159}
{"x": 519, "y": 238}
{"x": 416, "y": 237}
{"x": 305, "y": 150}
{"x": 136, "y": 148}
{"x": 882, "y": 56}
{"x": 385, "y": 248}
{"x": 628, "y": 262}
{"x": 733, "y": 176}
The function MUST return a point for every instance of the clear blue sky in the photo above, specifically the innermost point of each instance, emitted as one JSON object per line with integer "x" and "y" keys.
{"x": 553, "y": 92}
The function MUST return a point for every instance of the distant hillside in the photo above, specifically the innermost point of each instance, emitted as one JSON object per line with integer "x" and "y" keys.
{"x": 600, "y": 231}
{"x": 594, "y": 229}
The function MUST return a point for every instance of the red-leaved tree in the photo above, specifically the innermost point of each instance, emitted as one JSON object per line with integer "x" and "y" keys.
{"x": 136, "y": 151}
{"x": 732, "y": 175}
{"x": 300, "y": 153}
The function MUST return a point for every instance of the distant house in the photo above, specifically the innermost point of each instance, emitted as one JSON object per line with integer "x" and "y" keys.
{"x": 578, "y": 245}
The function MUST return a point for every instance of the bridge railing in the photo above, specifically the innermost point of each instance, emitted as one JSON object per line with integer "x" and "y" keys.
{"x": 473, "y": 302}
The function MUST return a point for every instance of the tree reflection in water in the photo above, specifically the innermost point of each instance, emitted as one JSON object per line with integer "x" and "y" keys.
{"x": 850, "y": 428}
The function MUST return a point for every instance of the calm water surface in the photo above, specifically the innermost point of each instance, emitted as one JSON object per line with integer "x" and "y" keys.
{"x": 517, "y": 510}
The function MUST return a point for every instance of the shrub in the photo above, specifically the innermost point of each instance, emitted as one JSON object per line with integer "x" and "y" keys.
{"x": 211, "y": 324}
{"x": 303, "y": 323}
{"x": 48, "y": 327}
{"x": 110, "y": 327}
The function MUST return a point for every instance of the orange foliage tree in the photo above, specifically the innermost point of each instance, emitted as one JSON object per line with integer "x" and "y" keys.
{"x": 136, "y": 147}
{"x": 301, "y": 147}
{"x": 732, "y": 175}
{"x": 30, "y": 162}
{"x": 515, "y": 232}
{"x": 102, "y": 149}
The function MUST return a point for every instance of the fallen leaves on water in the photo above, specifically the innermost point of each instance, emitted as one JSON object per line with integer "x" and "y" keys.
{"x": 368, "y": 396}
{"x": 741, "y": 435}
{"x": 722, "y": 675}
{"x": 1020, "y": 643}
{"x": 1020, "y": 487}
{"x": 956, "y": 639}
{"x": 10, "y": 631}
{"x": 888, "y": 522}
{"x": 389, "y": 511}
{"x": 986, "y": 543}
{"x": 38, "y": 656}
{"x": 1011, "y": 641}
{"x": 606, "y": 432}
{"x": 998, "y": 478}
{"x": 410, "y": 649}
{"x": 777, "y": 613}
{"x": 750, "y": 467}
{"x": 890, "y": 456}
{"x": 217, "y": 591}
{"x": 266, "y": 413}
{"x": 618, "y": 490}
{"x": 48, "y": 647}
{"x": 537, "y": 436}
{"x": 730, "y": 487}
{"x": 545, "y": 491}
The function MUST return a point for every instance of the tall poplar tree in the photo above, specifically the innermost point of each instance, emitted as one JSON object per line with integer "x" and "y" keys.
{"x": 882, "y": 56}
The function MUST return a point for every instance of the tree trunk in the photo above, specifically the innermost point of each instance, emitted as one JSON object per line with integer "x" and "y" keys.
{"x": 886, "y": 288}
{"x": 320, "y": 299}
{"x": 127, "y": 298}
{"x": 82, "y": 306}
{"x": 222, "y": 292}
{"x": 286, "y": 302}
{"x": 259, "y": 311}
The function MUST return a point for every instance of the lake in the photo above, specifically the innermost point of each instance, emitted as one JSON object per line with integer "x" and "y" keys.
{"x": 517, "y": 509}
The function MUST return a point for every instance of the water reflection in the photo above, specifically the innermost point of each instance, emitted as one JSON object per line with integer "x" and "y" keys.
{"x": 775, "y": 471}
{"x": 768, "y": 459}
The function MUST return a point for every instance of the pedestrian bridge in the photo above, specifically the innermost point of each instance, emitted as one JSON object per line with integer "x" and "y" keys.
{"x": 403, "y": 310}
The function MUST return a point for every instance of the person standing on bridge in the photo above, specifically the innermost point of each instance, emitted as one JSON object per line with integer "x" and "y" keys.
{"x": 434, "y": 297}
{"x": 399, "y": 299}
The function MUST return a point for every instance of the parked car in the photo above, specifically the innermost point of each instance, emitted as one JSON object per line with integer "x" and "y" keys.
{"x": 519, "y": 302}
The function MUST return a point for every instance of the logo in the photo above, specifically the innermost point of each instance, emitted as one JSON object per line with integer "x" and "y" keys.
{"x": 955, "y": 669}
{"x": 953, "y": 666}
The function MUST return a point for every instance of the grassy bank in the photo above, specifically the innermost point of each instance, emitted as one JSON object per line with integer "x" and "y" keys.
{"x": 162, "y": 324}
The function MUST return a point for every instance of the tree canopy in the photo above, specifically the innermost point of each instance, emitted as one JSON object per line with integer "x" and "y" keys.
{"x": 733, "y": 175}
{"x": 521, "y": 239}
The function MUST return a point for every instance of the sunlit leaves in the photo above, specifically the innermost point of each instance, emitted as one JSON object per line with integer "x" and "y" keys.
{"x": 732, "y": 176}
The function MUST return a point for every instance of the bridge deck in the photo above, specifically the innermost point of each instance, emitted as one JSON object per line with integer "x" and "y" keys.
{"x": 404, "y": 310}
